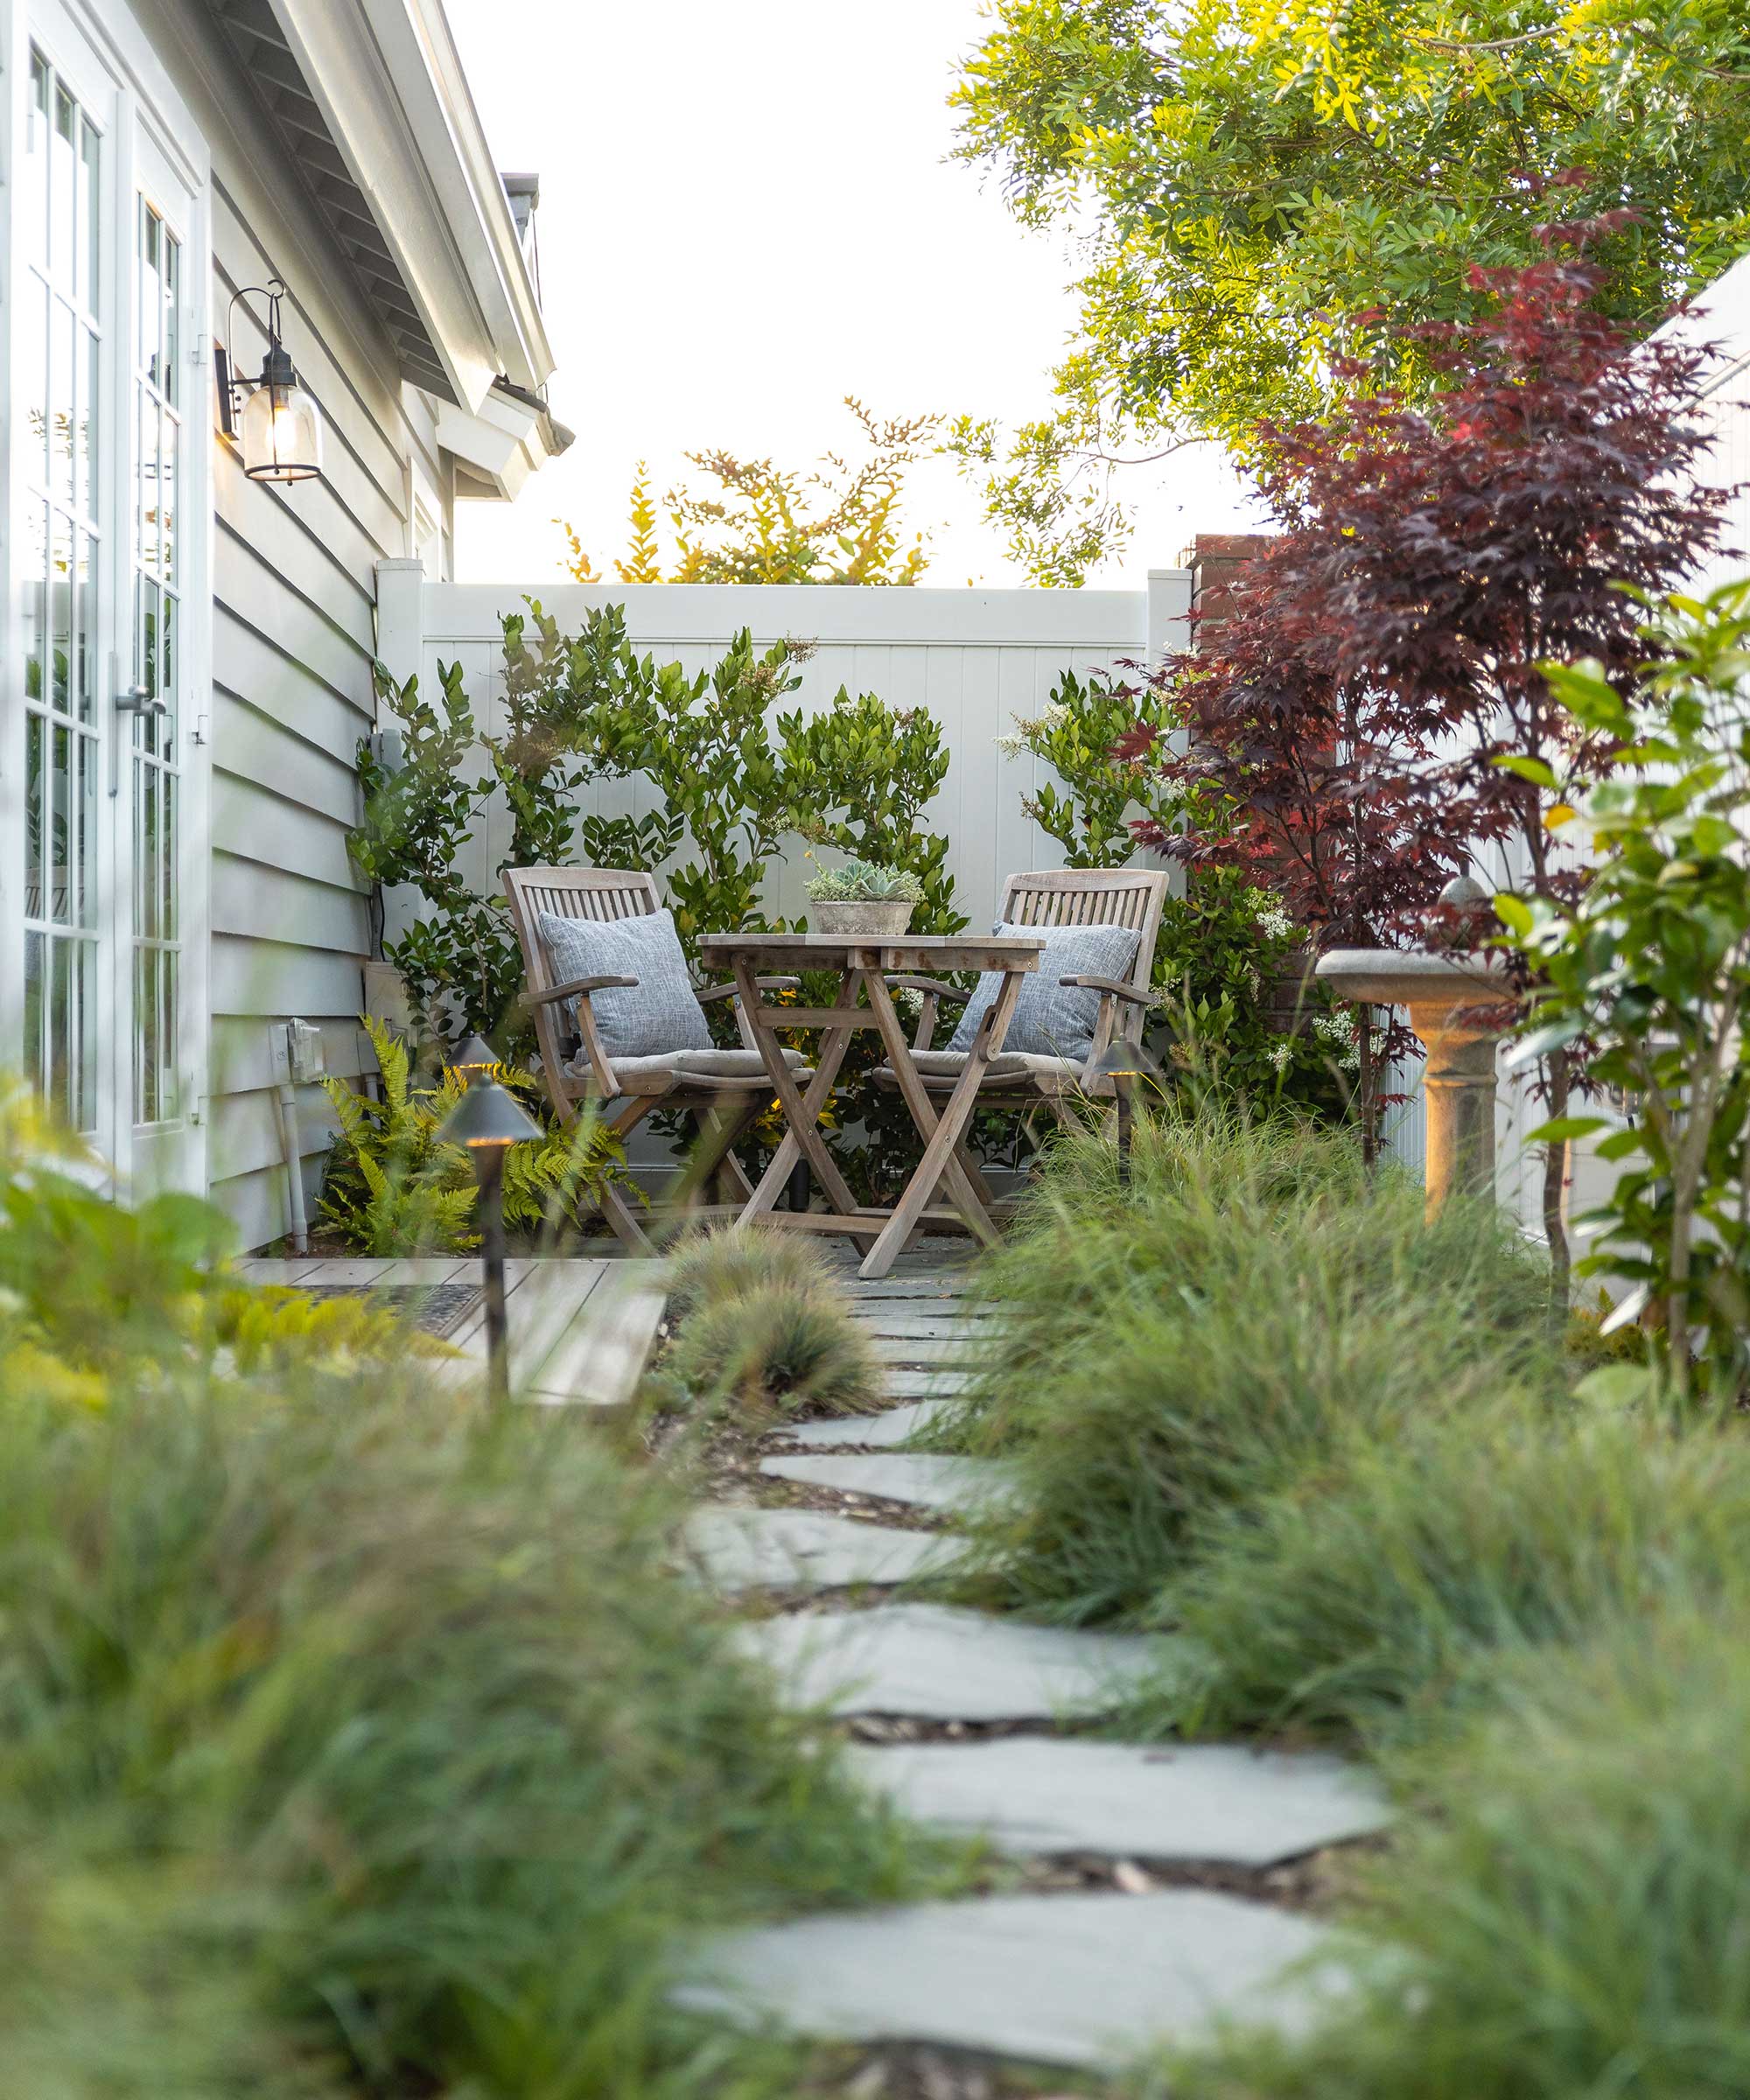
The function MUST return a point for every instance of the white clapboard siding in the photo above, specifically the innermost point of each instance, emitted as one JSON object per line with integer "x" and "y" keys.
{"x": 293, "y": 636}
{"x": 975, "y": 659}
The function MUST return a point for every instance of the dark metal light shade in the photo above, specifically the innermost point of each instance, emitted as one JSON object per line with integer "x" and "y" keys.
{"x": 487, "y": 1115}
{"x": 475, "y": 1056}
{"x": 1126, "y": 1060}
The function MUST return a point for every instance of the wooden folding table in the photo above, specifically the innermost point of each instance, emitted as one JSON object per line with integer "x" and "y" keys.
{"x": 863, "y": 966}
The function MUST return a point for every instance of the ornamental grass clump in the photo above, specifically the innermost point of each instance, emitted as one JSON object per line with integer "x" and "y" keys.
{"x": 1213, "y": 1334}
{"x": 356, "y": 1742}
{"x": 775, "y": 1349}
{"x": 707, "y": 1267}
{"x": 1377, "y": 1595}
{"x": 764, "y": 1330}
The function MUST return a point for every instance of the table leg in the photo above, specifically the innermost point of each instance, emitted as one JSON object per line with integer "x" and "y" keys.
{"x": 801, "y": 1111}
{"x": 941, "y": 1134}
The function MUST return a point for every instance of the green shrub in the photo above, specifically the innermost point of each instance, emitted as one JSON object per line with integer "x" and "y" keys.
{"x": 728, "y": 1262}
{"x": 1212, "y": 1333}
{"x": 423, "y": 1764}
{"x": 1569, "y": 1922}
{"x": 774, "y": 1349}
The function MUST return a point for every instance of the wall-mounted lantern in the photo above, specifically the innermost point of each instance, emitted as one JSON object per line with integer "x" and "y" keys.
{"x": 279, "y": 425}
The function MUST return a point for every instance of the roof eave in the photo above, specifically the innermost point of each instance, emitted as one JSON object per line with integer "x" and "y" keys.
{"x": 387, "y": 78}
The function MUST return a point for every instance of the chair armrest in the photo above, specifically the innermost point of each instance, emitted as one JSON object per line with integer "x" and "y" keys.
{"x": 1112, "y": 988}
{"x": 927, "y": 984}
{"x": 728, "y": 991}
{"x": 935, "y": 991}
{"x": 579, "y": 988}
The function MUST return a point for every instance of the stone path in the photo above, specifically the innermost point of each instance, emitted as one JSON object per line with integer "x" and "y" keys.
{"x": 1088, "y": 1978}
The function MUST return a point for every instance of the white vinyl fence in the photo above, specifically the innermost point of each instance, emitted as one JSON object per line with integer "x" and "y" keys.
{"x": 974, "y": 659}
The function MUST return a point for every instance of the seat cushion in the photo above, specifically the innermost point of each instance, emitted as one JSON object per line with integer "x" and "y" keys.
{"x": 655, "y": 1074}
{"x": 1052, "y": 1019}
{"x": 1011, "y": 1069}
{"x": 662, "y": 1015}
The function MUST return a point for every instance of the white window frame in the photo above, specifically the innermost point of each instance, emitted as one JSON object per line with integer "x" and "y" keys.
{"x": 145, "y": 107}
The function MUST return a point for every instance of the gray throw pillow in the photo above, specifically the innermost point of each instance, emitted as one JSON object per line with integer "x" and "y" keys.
{"x": 662, "y": 1013}
{"x": 1052, "y": 1019}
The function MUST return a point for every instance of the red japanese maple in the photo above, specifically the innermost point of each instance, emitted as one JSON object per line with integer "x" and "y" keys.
{"x": 1385, "y": 652}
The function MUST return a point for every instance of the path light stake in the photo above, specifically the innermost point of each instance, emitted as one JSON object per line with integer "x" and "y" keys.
{"x": 488, "y": 1123}
{"x": 1124, "y": 1064}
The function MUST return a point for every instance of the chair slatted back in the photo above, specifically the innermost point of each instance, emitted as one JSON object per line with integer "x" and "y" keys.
{"x": 1129, "y": 897}
{"x": 598, "y": 894}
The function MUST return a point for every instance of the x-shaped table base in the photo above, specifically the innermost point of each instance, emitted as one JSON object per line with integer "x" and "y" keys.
{"x": 944, "y": 1166}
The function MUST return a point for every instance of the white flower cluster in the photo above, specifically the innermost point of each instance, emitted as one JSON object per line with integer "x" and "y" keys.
{"x": 1337, "y": 1032}
{"x": 1027, "y": 727}
{"x": 1282, "y": 1055}
{"x": 1268, "y": 914}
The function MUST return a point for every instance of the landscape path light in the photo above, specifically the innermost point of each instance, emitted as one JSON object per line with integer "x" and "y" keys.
{"x": 487, "y": 1122}
{"x": 1124, "y": 1063}
{"x": 474, "y": 1059}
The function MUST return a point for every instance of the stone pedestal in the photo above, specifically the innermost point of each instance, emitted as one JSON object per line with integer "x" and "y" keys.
{"x": 1448, "y": 1000}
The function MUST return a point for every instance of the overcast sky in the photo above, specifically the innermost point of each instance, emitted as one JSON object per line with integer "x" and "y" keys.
{"x": 746, "y": 214}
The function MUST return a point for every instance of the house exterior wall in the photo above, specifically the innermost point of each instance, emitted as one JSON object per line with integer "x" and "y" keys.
{"x": 293, "y": 624}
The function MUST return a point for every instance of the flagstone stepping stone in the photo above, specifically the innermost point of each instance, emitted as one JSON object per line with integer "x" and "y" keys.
{"x": 904, "y": 1290}
{"x": 968, "y": 1331}
{"x": 946, "y": 1349}
{"x": 896, "y": 1426}
{"x": 920, "y": 1382}
{"x": 1088, "y": 1981}
{"x": 801, "y": 1549}
{"x": 936, "y": 1662}
{"x": 931, "y": 1480}
{"x": 1203, "y": 1802}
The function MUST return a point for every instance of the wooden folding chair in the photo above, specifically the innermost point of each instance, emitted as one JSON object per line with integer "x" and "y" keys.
{"x": 724, "y": 1090}
{"x": 1127, "y": 897}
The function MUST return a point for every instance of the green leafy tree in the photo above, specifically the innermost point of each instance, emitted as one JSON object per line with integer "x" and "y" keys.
{"x": 757, "y": 522}
{"x": 1256, "y": 180}
{"x": 1650, "y": 963}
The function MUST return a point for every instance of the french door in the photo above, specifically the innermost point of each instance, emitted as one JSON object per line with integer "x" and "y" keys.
{"x": 110, "y": 426}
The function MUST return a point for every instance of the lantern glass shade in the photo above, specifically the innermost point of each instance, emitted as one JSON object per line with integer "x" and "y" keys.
{"x": 281, "y": 428}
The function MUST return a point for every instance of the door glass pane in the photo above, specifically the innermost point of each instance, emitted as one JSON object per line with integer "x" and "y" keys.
{"x": 157, "y": 747}
{"x": 56, "y": 406}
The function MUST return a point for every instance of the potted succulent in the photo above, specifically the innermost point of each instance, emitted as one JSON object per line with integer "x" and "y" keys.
{"x": 860, "y": 898}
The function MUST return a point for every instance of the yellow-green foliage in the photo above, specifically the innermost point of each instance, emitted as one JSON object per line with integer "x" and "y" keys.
{"x": 268, "y": 1329}
{"x": 92, "y": 1290}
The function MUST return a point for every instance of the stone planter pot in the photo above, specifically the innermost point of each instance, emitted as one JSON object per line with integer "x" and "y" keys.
{"x": 885, "y": 921}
